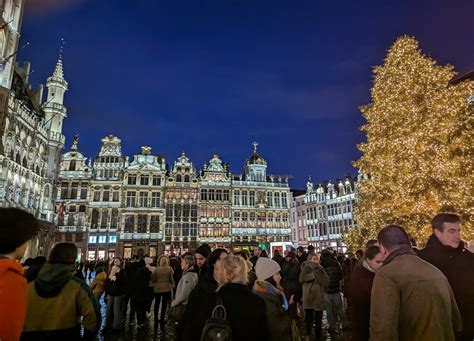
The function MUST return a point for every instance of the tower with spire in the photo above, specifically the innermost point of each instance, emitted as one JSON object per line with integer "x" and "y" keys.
{"x": 54, "y": 109}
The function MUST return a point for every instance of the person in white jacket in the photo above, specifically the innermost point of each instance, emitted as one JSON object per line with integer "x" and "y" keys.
{"x": 187, "y": 282}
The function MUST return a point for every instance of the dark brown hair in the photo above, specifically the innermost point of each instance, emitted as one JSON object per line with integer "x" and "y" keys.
{"x": 16, "y": 228}
{"x": 438, "y": 221}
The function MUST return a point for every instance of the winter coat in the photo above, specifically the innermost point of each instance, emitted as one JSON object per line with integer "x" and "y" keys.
{"x": 141, "y": 284}
{"x": 276, "y": 306}
{"x": 13, "y": 294}
{"x": 186, "y": 284}
{"x": 198, "y": 309}
{"x": 56, "y": 302}
{"x": 347, "y": 268}
{"x": 116, "y": 287}
{"x": 359, "y": 310}
{"x": 129, "y": 272}
{"x": 333, "y": 270}
{"x": 98, "y": 284}
{"x": 314, "y": 279}
{"x": 412, "y": 300}
{"x": 162, "y": 279}
{"x": 290, "y": 279}
{"x": 458, "y": 266}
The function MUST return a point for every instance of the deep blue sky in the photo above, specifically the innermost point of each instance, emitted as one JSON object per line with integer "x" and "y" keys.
{"x": 212, "y": 76}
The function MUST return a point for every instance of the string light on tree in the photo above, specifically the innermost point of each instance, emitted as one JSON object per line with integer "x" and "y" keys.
{"x": 419, "y": 152}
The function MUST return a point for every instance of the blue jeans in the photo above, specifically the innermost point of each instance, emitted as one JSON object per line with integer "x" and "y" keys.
{"x": 113, "y": 318}
{"x": 334, "y": 302}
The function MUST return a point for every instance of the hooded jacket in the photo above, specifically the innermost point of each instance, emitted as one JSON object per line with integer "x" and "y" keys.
{"x": 412, "y": 300}
{"x": 185, "y": 286}
{"x": 457, "y": 264}
{"x": 56, "y": 302}
{"x": 13, "y": 294}
{"x": 313, "y": 279}
{"x": 98, "y": 284}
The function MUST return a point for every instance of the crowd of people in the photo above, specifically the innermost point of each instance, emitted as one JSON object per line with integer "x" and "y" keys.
{"x": 389, "y": 291}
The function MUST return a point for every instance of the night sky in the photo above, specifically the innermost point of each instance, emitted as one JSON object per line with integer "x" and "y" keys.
{"x": 209, "y": 77}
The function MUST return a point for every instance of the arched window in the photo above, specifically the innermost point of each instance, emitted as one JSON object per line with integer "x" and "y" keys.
{"x": 186, "y": 178}
{"x": 25, "y": 162}
{"x": 72, "y": 165}
{"x": 18, "y": 159}
{"x": 178, "y": 178}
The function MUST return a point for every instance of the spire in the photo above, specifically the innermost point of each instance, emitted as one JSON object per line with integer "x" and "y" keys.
{"x": 255, "y": 144}
{"x": 58, "y": 70}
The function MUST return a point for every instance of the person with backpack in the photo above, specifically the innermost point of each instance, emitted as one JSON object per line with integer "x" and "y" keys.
{"x": 242, "y": 314}
{"x": 198, "y": 308}
{"x": 268, "y": 287}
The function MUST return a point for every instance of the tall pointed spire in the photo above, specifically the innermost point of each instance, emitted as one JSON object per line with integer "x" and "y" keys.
{"x": 58, "y": 70}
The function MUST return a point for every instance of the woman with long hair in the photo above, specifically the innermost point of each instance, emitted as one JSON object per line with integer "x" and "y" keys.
{"x": 268, "y": 287}
{"x": 236, "y": 297}
{"x": 314, "y": 279}
{"x": 115, "y": 292}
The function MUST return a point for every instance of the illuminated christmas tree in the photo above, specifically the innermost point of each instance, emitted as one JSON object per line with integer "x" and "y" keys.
{"x": 419, "y": 153}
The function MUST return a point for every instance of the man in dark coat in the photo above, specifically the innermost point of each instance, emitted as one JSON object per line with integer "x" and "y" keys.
{"x": 332, "y": 297}
{"x": 446, "y": 251}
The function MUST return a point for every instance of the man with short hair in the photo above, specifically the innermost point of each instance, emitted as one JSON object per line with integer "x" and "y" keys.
{"x": 59, "y": 302}
{"x": 447, "y": 252}
{"x": 301, "y": 255}
{"x": 411, "y": 299}
{"x": 17, "y": 227}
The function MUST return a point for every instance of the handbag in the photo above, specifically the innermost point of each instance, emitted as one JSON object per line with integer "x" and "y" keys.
{"x": 177, "y": 312}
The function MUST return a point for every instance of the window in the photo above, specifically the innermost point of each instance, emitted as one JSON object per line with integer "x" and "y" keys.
{"x": 129, "y": 223}
{"x": 169, "y": 211}
{"x": 204, "y": 194}
{"x": 144, "y": 180}
{"x": 244, "y": 198}
{"x": 211, "y": 194}
{"x": 96, "y": 195}
{"x": 112, "y": 239}
{"x": 115, "y": 196}
{"x": 72, "y": 165}
{"x": 105, "y": 219}
{"x": 92, "y": 239}
{"x": 154, "y": 224}
{"x": 252, "y": 219}
{"x": 237, "y": 198}
{"x": 141, "y": 223}
{"x": 284, "y": 202}
{"x": 193, "y": 229}
{"x": 105, "y": 196}
{"x": 131, "y": 199}
{"x": 194, "y": 211}
{"x": 252, "y": 198}
{"x": 226, "y": 195}
{"x": 155, "y": 199}
{"x": 74, "y": 190}
{"x": 64, "y": 191}
{"x": 185, "y": 231}
{"x": 219, "y": 194}
{"x": 178, "y": 178}
{"x": 82, "y": 208}
{"x": 143, "y": 199}
{"x": 79, "y": 237}
{"x": 277, "y": 199}
{"x": 70, "y": 219}
{"x": 114, "y": 221}
{"x": 83, "y": 193}
{"x": 102, "y": 239}
{"x": 177, "y": 211}
{"x": 186, "y": 178}
{"x": 95, "y": 218}
{"x": 156, "y": 180}
{"x": 186, "y": 211}
{"x": 132, "y": 179}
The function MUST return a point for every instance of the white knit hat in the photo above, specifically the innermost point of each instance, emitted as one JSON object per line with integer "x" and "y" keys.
{"x": 266, "y": 268}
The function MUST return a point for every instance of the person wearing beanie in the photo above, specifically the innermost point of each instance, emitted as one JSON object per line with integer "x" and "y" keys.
{"x": 267, "y": 286}
{"x": 200, "y": 256}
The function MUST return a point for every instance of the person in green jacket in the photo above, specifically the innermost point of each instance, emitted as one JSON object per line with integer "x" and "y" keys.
{"x": 59, "y": 302}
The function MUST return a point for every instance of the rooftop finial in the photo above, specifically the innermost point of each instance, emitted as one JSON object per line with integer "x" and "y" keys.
{"x": 61, "y": 48}
{"x": 76, "y": 141}
{"x": 255, "y": 144}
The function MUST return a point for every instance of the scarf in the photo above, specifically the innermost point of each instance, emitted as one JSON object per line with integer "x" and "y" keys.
{"x": 265, "y": 288}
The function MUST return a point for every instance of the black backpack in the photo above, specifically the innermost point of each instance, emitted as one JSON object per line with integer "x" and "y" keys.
{"x": 217, "y": 327}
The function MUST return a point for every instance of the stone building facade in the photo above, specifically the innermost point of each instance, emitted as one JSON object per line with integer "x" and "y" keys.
{"x": 30, "y": 132}
{"x": 146, "y": 207}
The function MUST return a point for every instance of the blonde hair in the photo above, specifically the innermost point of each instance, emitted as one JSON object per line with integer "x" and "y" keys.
{"x": 233, "y": 269}
{"x": 163, "y": 260}
{"x": 317, "y": 255}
